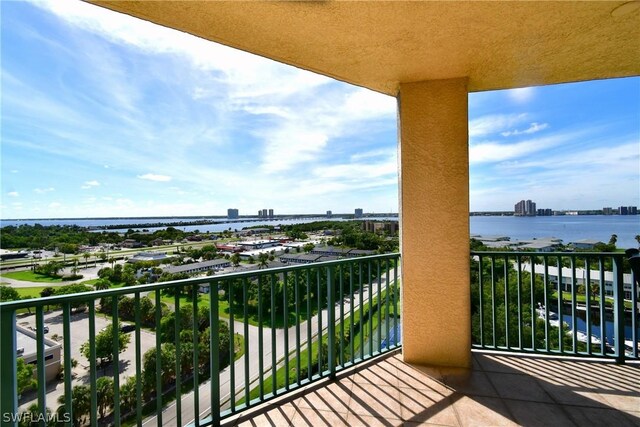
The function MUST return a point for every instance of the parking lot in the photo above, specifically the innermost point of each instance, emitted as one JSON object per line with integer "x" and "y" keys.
{"x": 80, "y": 335}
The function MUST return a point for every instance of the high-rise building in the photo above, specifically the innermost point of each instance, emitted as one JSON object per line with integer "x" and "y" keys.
{"x": 232, "y": 213}
{"x": 329, "y": 213}
{"x": 623, "y": 210}
{"x": 270, "y": 213}
{"x": 265, "y": 213}
{"x": 607, "y": 211}
{"x": 259, "y": 213}
{"x": 525, "y": 208}
{"x": 632, "y": 210}
{"x": 358, "y": 213}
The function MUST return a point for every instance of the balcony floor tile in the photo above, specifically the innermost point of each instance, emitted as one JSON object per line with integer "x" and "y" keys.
{"x": 501, "y": 389}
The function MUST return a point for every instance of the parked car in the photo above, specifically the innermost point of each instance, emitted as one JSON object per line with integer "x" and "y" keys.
{"x": 127, "y": 327}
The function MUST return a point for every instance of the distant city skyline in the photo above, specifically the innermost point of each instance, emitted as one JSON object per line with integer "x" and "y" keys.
{"x": 105, "y": 115}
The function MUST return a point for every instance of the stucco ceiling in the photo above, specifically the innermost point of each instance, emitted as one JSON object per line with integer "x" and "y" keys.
{"x": 378, "y": 44}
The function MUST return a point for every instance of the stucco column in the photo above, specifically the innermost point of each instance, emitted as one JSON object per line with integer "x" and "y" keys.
{"x": 434, "y": 218}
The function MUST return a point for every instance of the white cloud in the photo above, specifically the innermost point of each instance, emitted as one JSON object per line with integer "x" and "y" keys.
{"x": 287, "y": 147}
{"x": 44, "y": 190}
{"x": 488, "y": 125}
{"x": 535, "y": 127}
{"x": 386, "y": 153}
{"x": 357, "y": 171}
{"x": 497, "y": 152}
{"x": 13, "y": 194}
{"x": 155, "y": 177}
{"x": 260, "y": 77}
{"x": 90, "y": 184}
{"x": 54, "y": 205}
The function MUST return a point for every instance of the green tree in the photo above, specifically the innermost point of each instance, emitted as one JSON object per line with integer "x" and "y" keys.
{"x": 263, "y": 260}
{"x": 86, "y": 259}
{"x": 104, "y": 394}
{"x": 613, "y": 240}
{"x": 50, "y": 269}
{"x": 167, "y": 368}
{"x": 128, "y": 394}
{"x": 80, "y": 404}
{"x": 102, "y": 284}
{"x": 7, "y": 293}
{"x": 638, "y": 238}
{"x": 235, "y": 259}
{"x": 31, "y": 417}
{"x": 25, "y": 376}
{"x": 73, "y": 288}
{"x": 47, "y": 292}
{"x": 104, "y": 344}
{"x": 308, "y": 247}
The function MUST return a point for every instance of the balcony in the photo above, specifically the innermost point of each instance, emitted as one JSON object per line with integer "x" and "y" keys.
{"x": 330, "y": 335}
{"x": 500, "y": 390}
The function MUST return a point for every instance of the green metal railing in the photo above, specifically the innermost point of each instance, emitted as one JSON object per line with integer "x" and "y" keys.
{"x": 293, "y": 325}
{"x": 578, "y": 304}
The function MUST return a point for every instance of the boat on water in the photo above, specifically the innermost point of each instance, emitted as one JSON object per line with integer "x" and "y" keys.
{"x": 628, "y": 347}
{"x": 553, "y": 318}
{"x": 583, "y": 337}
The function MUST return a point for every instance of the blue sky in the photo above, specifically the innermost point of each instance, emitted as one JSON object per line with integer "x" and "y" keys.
{"x": 106, "y": 115}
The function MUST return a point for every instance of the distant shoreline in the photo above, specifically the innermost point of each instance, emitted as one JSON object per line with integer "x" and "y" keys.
{"x": 289, "y": 216}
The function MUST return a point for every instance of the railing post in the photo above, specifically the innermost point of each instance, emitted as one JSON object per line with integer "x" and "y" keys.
{"x": 618, "y": 309}
{"x": 214, "y": 352}
{"x": 331, "y": 327}
{"x": 8, "y": 366}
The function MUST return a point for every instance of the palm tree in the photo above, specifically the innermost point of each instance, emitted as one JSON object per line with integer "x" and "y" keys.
{"x": 112, "y": 260}
{"x": 128, "y": 394}
{"x": 102, "y": 284}
{"x": 104, "y": 391}
{"x": 638, "y": 238}
{"x": 235, "y": 260}
{"x": 47, "y": 292}
{"x": 74, "y": 269}
{"x": 80, "y": 403}
{"x": 86, "y": 259}
{"x": 263, "y": 260}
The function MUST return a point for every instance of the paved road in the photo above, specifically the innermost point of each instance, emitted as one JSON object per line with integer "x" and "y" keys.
{"x": 188, "y": 407}
{"x": 79, "y": 335}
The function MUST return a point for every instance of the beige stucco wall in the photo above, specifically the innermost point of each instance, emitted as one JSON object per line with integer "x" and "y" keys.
{"x": 434, "y": 209}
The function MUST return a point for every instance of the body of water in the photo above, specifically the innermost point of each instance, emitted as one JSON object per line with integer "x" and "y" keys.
{"x": 595, "y": 327}
{"x": 568, "y": 227}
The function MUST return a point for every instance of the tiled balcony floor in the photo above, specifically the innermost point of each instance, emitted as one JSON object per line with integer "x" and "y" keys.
{"x": 501, "y": 390}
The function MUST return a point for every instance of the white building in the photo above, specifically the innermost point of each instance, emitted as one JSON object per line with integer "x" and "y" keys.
{"x": 581, "y": 278}
{"x": 27, "y": 349}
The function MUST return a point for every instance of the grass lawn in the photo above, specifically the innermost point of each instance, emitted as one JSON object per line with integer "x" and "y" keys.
{"x": 580, "y": 298}
{"x": 30, "y": 276}
{"x": 304, "y": 354}
{"x": 31, "y": 292}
